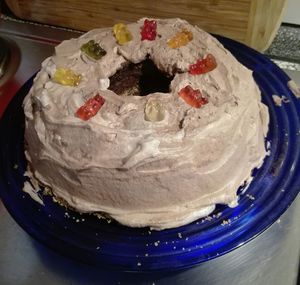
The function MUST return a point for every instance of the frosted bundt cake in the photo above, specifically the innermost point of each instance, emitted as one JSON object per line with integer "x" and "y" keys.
{"x": 151, "y": 123}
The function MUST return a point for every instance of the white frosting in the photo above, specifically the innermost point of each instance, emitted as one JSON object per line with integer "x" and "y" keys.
{"x": 142, "y": 173}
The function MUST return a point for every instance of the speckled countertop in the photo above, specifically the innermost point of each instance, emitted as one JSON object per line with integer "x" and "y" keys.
{"x": 285, "y": 49}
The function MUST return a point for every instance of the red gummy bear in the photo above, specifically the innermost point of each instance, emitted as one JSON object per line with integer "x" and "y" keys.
{"x": 90, "y": 108}
{"x": 192, "y": 97}
{"x": 204, "y": 65}
{"x": 148, "y": 31}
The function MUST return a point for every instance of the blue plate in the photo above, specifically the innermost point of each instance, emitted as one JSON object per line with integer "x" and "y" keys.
{"x": 86, "y": 238}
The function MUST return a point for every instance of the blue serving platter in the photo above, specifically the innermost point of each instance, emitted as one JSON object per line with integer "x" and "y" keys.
{"x": 98, "y": 242}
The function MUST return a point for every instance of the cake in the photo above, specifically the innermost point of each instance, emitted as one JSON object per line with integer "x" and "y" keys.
{"x": 151, "y": 124}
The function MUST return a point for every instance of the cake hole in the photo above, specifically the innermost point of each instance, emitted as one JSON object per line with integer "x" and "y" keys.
{"x": 140, "y": 79}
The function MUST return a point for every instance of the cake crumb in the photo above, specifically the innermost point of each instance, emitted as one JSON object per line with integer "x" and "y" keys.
{"x": 98, "y": 247}
{"x": 279, "y": 100}
{"x": 226, "y": 222}
{"x": 292, "y": 85}
{"x": 146, "y": 254}
{"x": 16, "y": 166}
{"x": 32, "y": 192}
{"x": 179, "y": 235}
{"x": 250, "y": 197}
{"x": 139, "y": 264}
{"x": 208, "y": 218}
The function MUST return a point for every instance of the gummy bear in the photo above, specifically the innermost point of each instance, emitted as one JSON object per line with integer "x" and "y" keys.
{"x": 93, "y": 50}
{"x": 90, "y": 108}
{"x": 148, "y": 31}
{"x": 122, "y": 33}
{"x": 180, "y": 39}
{"x": 192, "y": 97}
{"x": 204, "y": 65}
{"x": 154, "y": 111}
{"x": 66, "y": 76}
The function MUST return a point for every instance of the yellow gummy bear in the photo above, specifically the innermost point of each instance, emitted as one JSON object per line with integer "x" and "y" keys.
{"x": 66, "y": 76}
{"x": 180, "y": 39}
{"x": 122, "y": 34}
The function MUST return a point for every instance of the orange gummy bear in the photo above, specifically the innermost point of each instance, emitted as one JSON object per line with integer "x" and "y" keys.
{"x": 180, "y": 39}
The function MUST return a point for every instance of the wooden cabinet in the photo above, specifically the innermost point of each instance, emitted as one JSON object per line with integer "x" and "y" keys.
{"x": 253, "y": 22}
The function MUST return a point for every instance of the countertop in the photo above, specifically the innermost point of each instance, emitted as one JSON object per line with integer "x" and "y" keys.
{"x": 271, "y": 258}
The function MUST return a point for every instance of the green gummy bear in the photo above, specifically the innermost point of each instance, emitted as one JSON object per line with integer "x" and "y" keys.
{"x": 93, "y": 50}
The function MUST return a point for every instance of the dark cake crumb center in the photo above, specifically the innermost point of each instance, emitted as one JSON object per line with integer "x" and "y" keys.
{"x": 140, "y": 79}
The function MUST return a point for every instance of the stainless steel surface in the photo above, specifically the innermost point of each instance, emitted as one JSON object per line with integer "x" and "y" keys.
{"x": 4, "y": 56}
{"x": 270, "y": 259}
{"x": 9, "y": 59}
